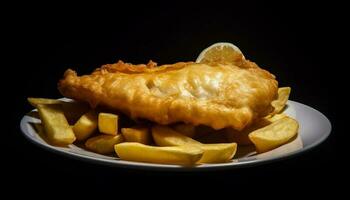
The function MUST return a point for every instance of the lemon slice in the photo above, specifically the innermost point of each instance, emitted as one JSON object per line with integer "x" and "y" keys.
{"x": 222, "y": 52}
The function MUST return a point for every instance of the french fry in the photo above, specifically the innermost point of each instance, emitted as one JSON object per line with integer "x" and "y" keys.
{"x": 274, "y": 135}
{"x": 181, "y": 155}
{"x": 241, "y": 137}
{"x": 108, "y": 123}
{"x": 137, "y": 134}
{"x": 85, "y": 126}
{"x": 213, "y": 153}
{"x": 218, "y": 153}
{"x": 165, "y": 136}
{"x": 37, "y": 101}
{"x": 56, "y": 126}
{"x": 175, "y": 145}
{"x": 280, "y": 103}
{"x": 103, "y": 144}
{"x": 72, "y": 110}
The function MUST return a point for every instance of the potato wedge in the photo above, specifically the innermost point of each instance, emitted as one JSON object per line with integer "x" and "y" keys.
{"x": 218, "y": 153}
{"x": 275, "y": 134}
{"x": 85, "y": 126}
{"x": 181, "y": 155}
{"x": 186, "y": 129}
{"x": 72, "y": 110}
{"x": 213, "y": 153}
{"x": 280, "y": 103}
{"x": 37, "y": 101}
{"x": 55, "y": 124}
{"x": 103, "y": 144}
{"x": 137, "y": 134}
{"x": 108, "y": 123}
{"x": 165, "y": 136}
{"x": 241, "y": 137}
{"x": 270, "y": 119}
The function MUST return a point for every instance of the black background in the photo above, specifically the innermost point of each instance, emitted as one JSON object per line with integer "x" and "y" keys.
{"x": 300, "y": 43}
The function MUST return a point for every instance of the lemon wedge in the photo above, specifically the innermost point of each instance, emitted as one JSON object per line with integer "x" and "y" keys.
{"x": 222, "y": 52}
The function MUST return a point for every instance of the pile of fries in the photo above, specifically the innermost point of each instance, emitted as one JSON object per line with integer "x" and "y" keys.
{"x": 64, "y": 123}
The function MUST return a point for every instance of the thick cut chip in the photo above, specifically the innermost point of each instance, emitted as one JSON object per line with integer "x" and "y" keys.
{"x": 280, "y": 103}
{"x": 241, "y": 137}
{"x": 108, "y": 123}
{"x": 213, "y": 153}
{"x": 218, "y": 153}
{"x": 86, "y": 125}
{"x": 137, "y": 134}
{"x": 56, "y": 126}
{"x": 165, "y": 136}
{"x": 181, "y": 155}
{"x": 37, "y": 101}
{"x": 275, "y": 134}
{"x": 72, "y": 110}
{"x": 103, "y": 144}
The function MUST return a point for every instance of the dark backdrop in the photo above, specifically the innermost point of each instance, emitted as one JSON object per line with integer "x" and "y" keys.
{"x": 299, "y": 43}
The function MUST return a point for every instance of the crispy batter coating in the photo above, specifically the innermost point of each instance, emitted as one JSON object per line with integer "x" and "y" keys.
{"x": 216, "y": 95}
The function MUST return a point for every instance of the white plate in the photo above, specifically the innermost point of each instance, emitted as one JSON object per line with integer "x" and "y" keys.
{"x": 314, "y": 128}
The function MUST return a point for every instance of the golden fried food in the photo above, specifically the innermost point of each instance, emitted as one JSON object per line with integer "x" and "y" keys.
{"x": 215, "y": 95}
{"x": 212, "y": 153}
{"x": 103, "y": 144}
{"x": 35, "y": 102}
{"x": 280, "y": 103}
{"x": 241, "y": 137}
{"x": 165, "y": 136}
{"x": 55, "y": 124}
{"x": 182, "y": 155}
{"x": 198, "y": 112}
{"x": 85, "y": 126}
{"x": 72, "y": 110}
{"x": 137, "y": 134}
{"x": 108, "y": 123}
{"x": 275, "y": 134}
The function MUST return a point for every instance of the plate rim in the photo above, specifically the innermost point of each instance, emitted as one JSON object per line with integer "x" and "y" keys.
{"x": 165, "y": 167}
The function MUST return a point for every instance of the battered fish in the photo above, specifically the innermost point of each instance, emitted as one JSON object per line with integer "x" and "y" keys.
{"x": 216, "y": 95}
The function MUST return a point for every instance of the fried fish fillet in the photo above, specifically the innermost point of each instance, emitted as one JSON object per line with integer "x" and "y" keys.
{"x": 216, "y": 95}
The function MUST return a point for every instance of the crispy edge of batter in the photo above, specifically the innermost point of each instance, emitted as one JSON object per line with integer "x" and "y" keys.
{"x": 128, "y": 68}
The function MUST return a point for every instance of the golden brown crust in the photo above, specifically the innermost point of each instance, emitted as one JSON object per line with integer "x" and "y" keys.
{"x": 129, "y": 68}
{"x": 216, "y": 95}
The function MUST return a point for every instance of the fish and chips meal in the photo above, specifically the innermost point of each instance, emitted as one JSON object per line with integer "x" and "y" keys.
{"x": 187, "y": 113}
